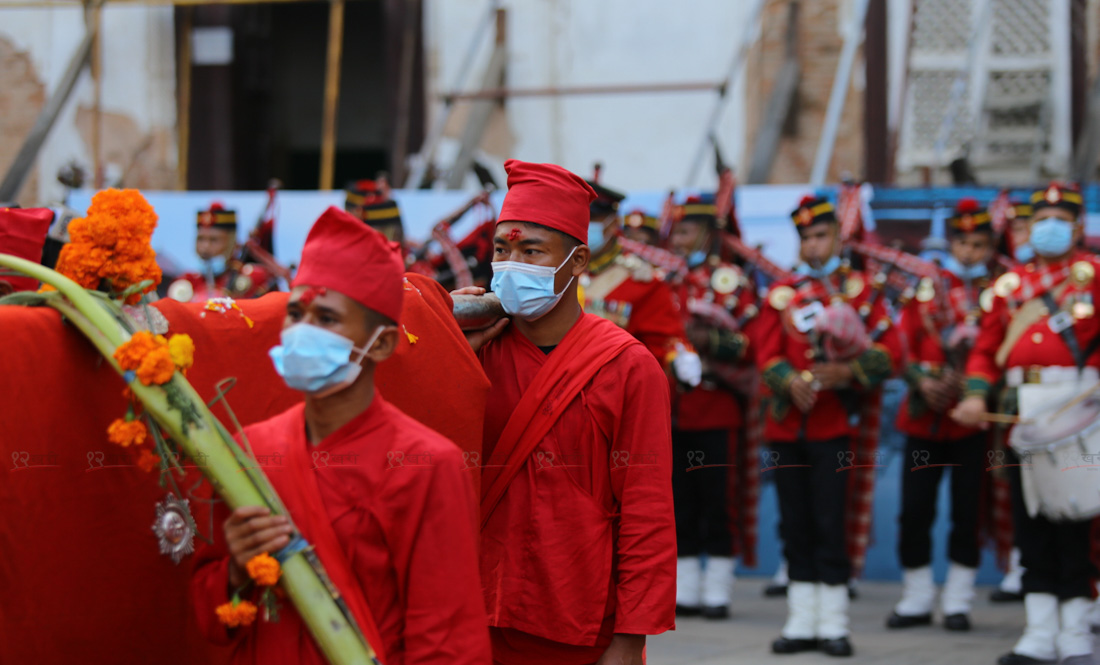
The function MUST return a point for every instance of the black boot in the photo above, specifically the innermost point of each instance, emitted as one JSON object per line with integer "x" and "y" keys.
{"x": 1002, "y": 596}
{"x": 896, "y": 620}
{"x": 1012, "y": 658}
{"x": 793, "y": 645}
{"x": 716, "y": 612}
{"x": 958, "y": 622}
{"x": 775, "y": 590}
{"x": 687, "y": 611}
{"x": 838, "y": 648}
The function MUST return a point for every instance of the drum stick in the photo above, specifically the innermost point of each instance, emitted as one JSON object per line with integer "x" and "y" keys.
{"x": 1076, "y": 400}
{"x": 1004, "y": 419}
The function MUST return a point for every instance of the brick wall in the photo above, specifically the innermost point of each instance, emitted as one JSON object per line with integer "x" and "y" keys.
{"x": 22, "y": 95}
{"x": 819, "y": 46}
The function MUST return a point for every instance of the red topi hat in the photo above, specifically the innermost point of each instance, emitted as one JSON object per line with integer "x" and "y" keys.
{"x": 344, "y": 254}
{"x": 22, "y": 234}
{"x": 549, "y": 195}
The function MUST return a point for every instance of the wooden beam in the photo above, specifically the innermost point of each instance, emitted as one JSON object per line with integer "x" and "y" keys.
{"x": 779, "y": 106}
{"x": 94, "y": 16}
{"x": 561, "y": 91}
{"x": 876, "y": 96}
{"x": 183, "y": 98}
{"x": 410, "y": 15}
{"x": 332, "y": 92}
{"x": 480, "y": 110}
{"x": 24, "y": 160}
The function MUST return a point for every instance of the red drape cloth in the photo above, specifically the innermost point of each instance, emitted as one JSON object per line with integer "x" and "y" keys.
{"x": 81, "y": 574}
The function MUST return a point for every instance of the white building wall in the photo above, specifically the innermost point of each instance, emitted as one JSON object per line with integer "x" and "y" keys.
{"x": 644, "y": 140}
{"x": 138, "y": 93}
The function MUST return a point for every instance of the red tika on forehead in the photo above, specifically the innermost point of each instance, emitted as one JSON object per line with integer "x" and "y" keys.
{"x": 311, "y": 294}
{"x": 514, "y": 234}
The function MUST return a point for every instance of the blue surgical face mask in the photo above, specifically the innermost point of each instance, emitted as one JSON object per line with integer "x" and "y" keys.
{"x": 966, "y": 273}
{"x": 213, "y": 266}
{"x": 595, "y": 235}
{"x": 1051, "y": 237}
{"x": 526, "y": 290}
{"x": 317, "y": 361}
{"x": 696, "y": 258}
{"x": 829, "y": 268}
{"x": 1024, "y": 253}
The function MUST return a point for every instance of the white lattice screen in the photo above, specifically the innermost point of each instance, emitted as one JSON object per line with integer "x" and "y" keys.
{"x": 1005, "y": 99}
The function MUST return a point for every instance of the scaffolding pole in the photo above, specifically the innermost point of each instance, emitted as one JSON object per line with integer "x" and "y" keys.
{"x": 332, "y": 92}
{"x": 735, "y": 67}
{"x": 24, "y": 160}
{"x": 839, "y": 94}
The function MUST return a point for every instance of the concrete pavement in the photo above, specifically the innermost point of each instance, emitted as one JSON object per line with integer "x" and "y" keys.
{"x": 746, "y": 637}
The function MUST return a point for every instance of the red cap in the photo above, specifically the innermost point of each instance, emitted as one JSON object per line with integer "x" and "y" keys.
{"x": 22, "y": 234}
{"x": 344, "y": 254}
{"x": 549, "y": 195}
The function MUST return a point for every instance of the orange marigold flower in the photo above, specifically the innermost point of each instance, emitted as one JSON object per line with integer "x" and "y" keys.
{"x": 130, "y": 354}
{"x": 156, "y": 367}
{"x": 126, "y": 433}
{"x": 182, "y": 349}
{"x": 264, "y": 569}
{"x": 233, "y": 614}
{"x": 147, "y": 461}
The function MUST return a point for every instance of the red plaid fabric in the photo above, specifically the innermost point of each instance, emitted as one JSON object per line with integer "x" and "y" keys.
{"x": 998, "y": 212}
{"x": 745, "y": 492}
{"x": 461, "y": 270}
{"x": 660, "y": 258}
{"x": 757, "y": 258}
{"x": 849, "y": 212}
{"x": 861, "y": 482}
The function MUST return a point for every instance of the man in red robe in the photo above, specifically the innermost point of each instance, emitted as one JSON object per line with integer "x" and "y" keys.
{"x": 578, "y": 548}
{"x": 384, "y": 500}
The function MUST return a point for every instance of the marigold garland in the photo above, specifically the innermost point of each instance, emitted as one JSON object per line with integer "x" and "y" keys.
{"x": 126, "y": 433}
{"x": 236, "y": 613}
{"x": 154, "y": 360}
{"x": 264, "y": 569}
{"x": 148, "y": 461}
{"x": 111, "y": 244}
{"x": 156, "y": 367}
{"x": 183, "y": 351}
{"x": 130, "y": 354}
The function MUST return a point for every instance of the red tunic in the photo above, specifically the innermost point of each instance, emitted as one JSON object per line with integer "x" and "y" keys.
{"x": 251, "y": 282}
{"x": 921, "y": 325}
{"x": 629, "y": 293}
{"x": 582, "y": 545}
{"x": 713, "y": 404}
{"x": 778, "y": 341}
{"x": 402, "y": 507}
{"x": 1038, "y": 345}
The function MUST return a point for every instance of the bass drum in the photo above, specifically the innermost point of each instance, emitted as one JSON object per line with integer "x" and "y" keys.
{"x": 1059, "y": 448}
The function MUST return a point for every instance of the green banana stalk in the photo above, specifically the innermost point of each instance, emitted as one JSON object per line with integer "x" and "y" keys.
{"x": 181, "y": 412}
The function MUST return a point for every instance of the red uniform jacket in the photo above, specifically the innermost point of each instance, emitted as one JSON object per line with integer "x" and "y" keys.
{"x": 628, "y": 292}
{"x": 402, "y": 505}
{"x": 1075, "y": 291}
{"x": 782, "y": 350}
{"x": 582, "y": 545}
{"x": 948, "y": 303}
{"x": 252, "y": 281}
{"x": 713, "y": 404}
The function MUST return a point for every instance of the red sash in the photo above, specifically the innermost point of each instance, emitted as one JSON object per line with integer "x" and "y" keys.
{"x": 587, "y": 347}
{"x": 323, "y": 538}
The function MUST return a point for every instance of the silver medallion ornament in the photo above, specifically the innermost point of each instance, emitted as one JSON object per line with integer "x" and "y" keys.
{"x": 175, "y": 528}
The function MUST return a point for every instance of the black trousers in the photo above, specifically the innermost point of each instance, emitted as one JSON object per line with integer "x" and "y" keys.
{"x": 813, "y": 493}
{"x": 1056, "y": 556}
{"x": 700, "y": 492}
{"x": 922, "y": 471}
